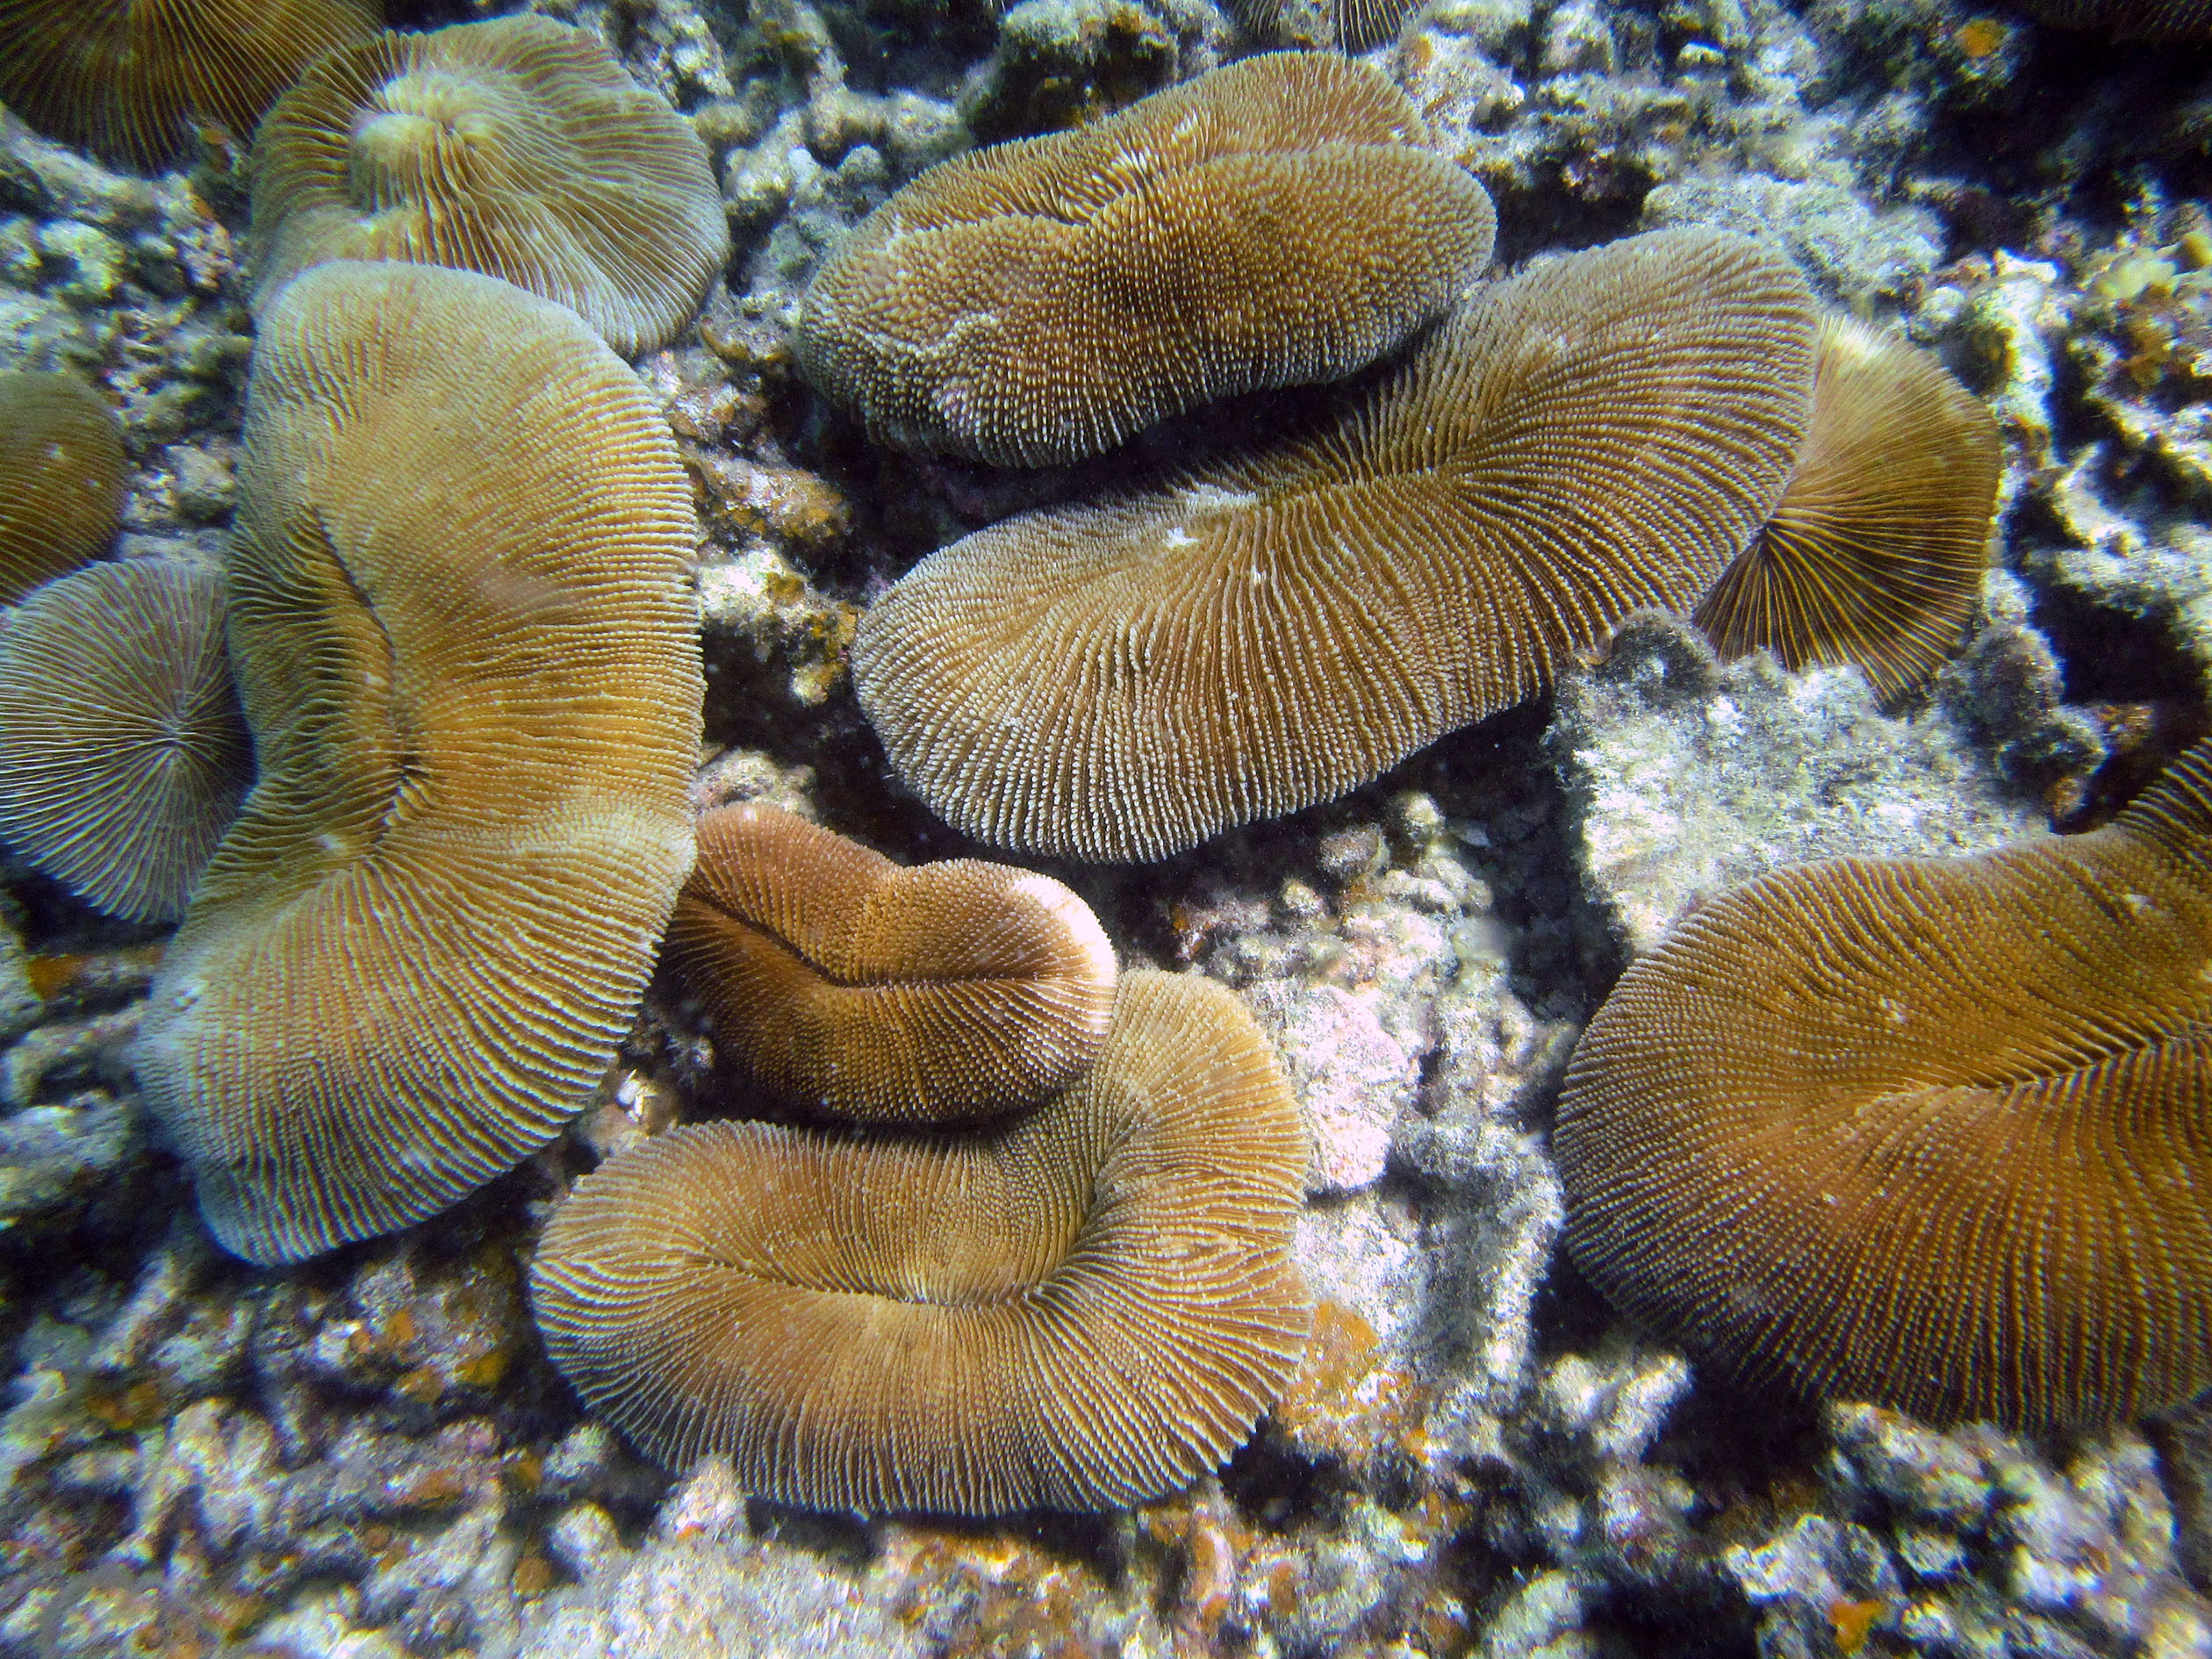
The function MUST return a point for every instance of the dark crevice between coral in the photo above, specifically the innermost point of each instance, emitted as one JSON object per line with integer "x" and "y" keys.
{"x": 1563, "y": 957}
{"x": 427, "y": 14}
{"x": 1568, "y": 1314}
{"x": 1760, "y": 1449}
{"x": 1553, "y": 217}
{"x": 1654, "y": 1624}
{"x": 908, "y": 504}
{"x": 926, "y": 46}
{"x": 119, "y": 1225}
{"x": 2183, "y": 1441}
{"x": 1277, "y": 1490}
{"x": 1985, "y": 156}
{"x": 2107, "y": 655}
{"x": 847, "y": 1541}
{"x": 52, "y": 920}
{"x": 2137, "y": 683}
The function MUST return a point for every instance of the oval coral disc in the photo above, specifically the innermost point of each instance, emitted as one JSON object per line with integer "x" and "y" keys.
{"x": 1875, "y": 553}
{"x": 62, "y": 473}
{"x": 465, "y": 640}
{"x": 123, "y": 755}
{"x": 1604, "y": 432}
{"x": 517, "y": 146}
{"x": 1271, "y": 223}
{"x": 1931, "y": 1133}
{"x": 1084, "y": 1308}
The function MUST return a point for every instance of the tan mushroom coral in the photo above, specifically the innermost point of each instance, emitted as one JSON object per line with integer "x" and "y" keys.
{"x": 1603, "y": 433}
{"x": 463, "y": 634}
{"x": 1929, "y": 1132}
{"x": 1270, "y": 223}
{"x": 1360, "y": 24}
{"x": 123, "y": 755}
{"x": 129, "y": 79}
{"x": 838, "y": 978}
{"x": 60, "y": 478}
{"x": 1875, "y": 554}
{"x": 518, "y": 147}
{"x": 1084, "y": 1307}
{"x": 1349, "y": 25}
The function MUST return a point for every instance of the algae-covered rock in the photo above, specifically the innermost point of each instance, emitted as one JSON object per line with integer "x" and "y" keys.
{"x": 1689, "y": 778}
{"x": 1851, "y": 251}
{"x": 1061, "y": 63}
{"x": 676, "y": 1598}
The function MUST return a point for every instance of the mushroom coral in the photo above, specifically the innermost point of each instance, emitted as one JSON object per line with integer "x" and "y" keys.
{"x": 60, "y": 478}
{"x": 123, "y": 755}
{"x": 1602, "y": 432}
{"x": 518, "y": 147}
{"x": 956, "y": 989}
{"x": 128, "y": 79}
{"x": 1875, "y": 554}
{"x": 464, "y": 637}
{"x": 1272, "y": 222}
{"x": 1929, "y": 1132}
{"x": 1084, "y": 1307}
{"x": 1349, "y": 25}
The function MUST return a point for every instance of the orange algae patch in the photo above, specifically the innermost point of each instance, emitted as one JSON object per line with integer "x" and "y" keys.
{"x": 50, "y": 975}
{"x": 1340, "y": 1401}
{"x": 1852, "y": 1621}
{"x": 399, "y": 1329}
{"x": 1002, "y": 1594}
{"x": 532, "y": 1578}
{"x": 128, "y": 1408}
{"x": 1978, "y": 36}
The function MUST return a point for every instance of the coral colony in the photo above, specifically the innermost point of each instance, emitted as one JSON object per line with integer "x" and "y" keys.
{"x": 1104, "y": 827}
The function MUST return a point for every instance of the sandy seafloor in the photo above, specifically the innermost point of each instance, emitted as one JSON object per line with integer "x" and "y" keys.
{"x": 370, "y": 1456}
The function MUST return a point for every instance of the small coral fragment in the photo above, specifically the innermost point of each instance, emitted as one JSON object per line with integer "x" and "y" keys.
{"x": 836, "y": 977}
{"x": 123, "y": 755}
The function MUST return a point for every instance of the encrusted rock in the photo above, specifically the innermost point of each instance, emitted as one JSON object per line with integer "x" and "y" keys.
{"x": 691, "y": 1594}
{"x": 1689, "y": 778}
{"x": 1852, "y": 252}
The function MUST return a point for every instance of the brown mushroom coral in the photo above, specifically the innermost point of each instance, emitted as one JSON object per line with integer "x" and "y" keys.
{"x": 463, "y": 634}
{"x": 1603, "y": 433}
{"x": 60, "y": 478}
{"x": 1361, "y": 25}
{"x": 1875, "y": 554}
{"x": 1928, "y": 1133}
{"x": 956, "y": 989}
{"x": 1085, "y": 1307}
{"x": 122, "y": 752}
{"x": 1270, "y": 223}
{"x": 518, "y": 147}
{"x": 1349, "y": 25}
{"x": 128, "y": 79}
